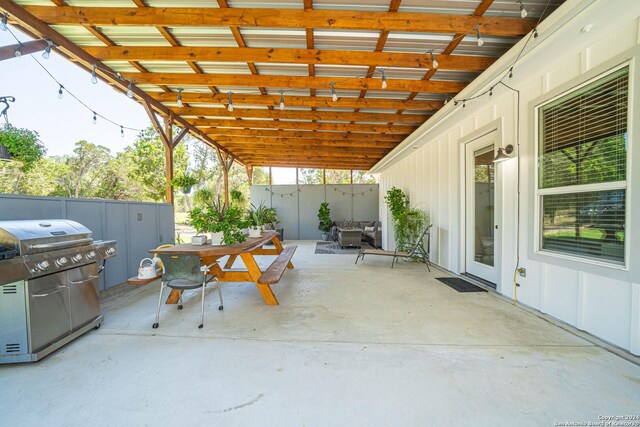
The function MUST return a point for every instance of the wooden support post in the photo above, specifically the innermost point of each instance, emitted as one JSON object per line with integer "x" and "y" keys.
{"x": 168, "y": 168}
{"x": 166, "y": 136}
{"x": 249, "y": 174}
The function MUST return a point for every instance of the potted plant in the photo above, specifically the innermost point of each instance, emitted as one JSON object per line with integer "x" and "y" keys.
{"x": 255, "y": 222}
{"x": 184, "y": 181}
{"x": 408, "y": 223}
{"x": 225, "y": 223}
{"x": 325, "y": 224}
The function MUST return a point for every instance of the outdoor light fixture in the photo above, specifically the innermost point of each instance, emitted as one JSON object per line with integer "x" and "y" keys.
{"x": 47, "y": 50}
{"x": 60, "y": 93}
{"x": 480, "y": 41}
{"x": 130, "y": 89}
{"x": 281, "y": 100}
{"x": 384, "y": 79}
{"x": 503, "y": 154}
{"x": 230, "y": 102}
{"x": 95, "y": 118}
{"x": 18, "y": 52}
{"x": 94, "y": 76}
{"x": 434, "y": 63}
{"x": 180, "y": 104}
{"x": 3, "y": 23}
{"x": 523, "y": 11}
{"x": 334, "y": 95}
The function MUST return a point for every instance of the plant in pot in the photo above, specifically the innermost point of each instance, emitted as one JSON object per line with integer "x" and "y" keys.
{"x": 225, "y": 223}
{"x": 184, "y": 181}
{"x": 325, "y": 224}
{"x": 255, "y": 222}
{"x": 408, "y": 223}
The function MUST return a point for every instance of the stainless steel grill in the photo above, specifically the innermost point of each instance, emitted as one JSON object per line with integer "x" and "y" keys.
{"x": 48, "y": 286}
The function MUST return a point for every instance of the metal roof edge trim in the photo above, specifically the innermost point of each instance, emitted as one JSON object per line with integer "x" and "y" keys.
{"x": 547, "y": 28}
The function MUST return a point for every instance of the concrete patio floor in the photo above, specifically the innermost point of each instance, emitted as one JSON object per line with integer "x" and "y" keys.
{"x": 349, "y": 345}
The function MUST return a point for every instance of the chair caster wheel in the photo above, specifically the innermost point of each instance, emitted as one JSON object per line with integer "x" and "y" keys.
{"x": 97, "y": 326}
{"x": 155, "y": 326}
{"x": 200, "y": 326}
{"x": 220, "y": 308}
{"x": 180, "y": 307}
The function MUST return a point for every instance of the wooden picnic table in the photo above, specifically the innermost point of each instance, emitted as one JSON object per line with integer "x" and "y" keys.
{"x": 247, "y": 250}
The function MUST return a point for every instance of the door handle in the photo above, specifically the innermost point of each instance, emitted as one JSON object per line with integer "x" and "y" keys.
{"x": 49, "y": 293}
{"x": 88, "y": 279}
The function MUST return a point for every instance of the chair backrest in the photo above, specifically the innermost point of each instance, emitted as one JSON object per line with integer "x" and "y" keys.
{"x": 181, "y": 267}
{"x": 417, "y": 246}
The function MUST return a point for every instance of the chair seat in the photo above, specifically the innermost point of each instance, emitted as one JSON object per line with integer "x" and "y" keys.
{"x": 183, "y": 284}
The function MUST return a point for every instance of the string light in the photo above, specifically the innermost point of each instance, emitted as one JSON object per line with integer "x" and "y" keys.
{"x": 535, "y": 33}
{"x": 230, "y": 101}
{"x": 121, "y": 131}
{"x": 511, "y": 72}
{"x": 281, "y": 100}
{"x": 94, "y": 75}
{"x": 3, "y": 22}
{"x": 130, "y": 89}
{"x": 523, "y": 11}
{"x": 60, "y": 92}
{"x": 446, "y": 99}
{"x": 180, "y": 104}
{"x": 478, "y": 37}
{"x": 118, "y": 76}
{"x": 95, "y": 118}
{"x": 491, "y": 91}
{"x": 47, "y": 50}
{"x": 384, "y": 79}
{"x": 464, "y": 104}
{"x": 434, "y": 62}
{"x": 18, "y": 52}
{"x": 334, "y": 95}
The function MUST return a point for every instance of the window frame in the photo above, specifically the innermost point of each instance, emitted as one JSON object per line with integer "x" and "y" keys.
{"x": 539, "y": 193}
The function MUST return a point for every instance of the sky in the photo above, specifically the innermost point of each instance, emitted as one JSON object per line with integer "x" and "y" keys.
{"x": 63, "y": 122}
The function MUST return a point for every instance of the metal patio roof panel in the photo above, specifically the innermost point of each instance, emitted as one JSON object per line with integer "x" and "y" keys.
{"x": 78, "y": 35}
{"x": 135, "y": 36}
{"x": 274, "y": 37}
{"x": 224, "y": 67}
{"x": 204, "y": 36}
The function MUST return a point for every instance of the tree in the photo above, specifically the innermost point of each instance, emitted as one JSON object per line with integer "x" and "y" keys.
{"x": 84, "y": 170}
{"x": 25, "y": 148}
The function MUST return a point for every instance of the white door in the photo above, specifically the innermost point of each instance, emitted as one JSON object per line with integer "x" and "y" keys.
{"x": 481, "y": 228}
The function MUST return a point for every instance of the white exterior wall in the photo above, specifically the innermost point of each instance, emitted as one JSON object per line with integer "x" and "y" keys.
{"x": 602, "y": 300}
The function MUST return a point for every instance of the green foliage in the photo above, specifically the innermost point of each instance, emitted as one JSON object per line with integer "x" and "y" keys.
{"x": 184, "y": 181}
{"x": 263, "y": 215}
{"x": 408, "y": 223}
{"x": 325, "y": 218}
{"x": 23, "y": 144}
{"x": 216, "y": 218}
{"x": 203, "y": 197}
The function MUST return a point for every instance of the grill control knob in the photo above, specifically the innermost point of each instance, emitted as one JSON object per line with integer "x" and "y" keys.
{"x": 76, "y": 258}
{"x": 111, "y": 251}
{"x": 91, "y": 255}
{"x": 43, "y": 265}
{"x": 62, "y": 261}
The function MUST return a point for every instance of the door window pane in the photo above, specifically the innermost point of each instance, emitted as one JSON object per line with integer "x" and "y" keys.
{"x": 484, "y": 195}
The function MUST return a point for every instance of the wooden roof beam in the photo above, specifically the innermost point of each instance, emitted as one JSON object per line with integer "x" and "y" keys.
{"x": 281, "y": 18}
{"x": 293, "y": 56}
{"x": 270, "y": 124}
{"x": 250, "y": 134}
{"x": 298, "y": 82}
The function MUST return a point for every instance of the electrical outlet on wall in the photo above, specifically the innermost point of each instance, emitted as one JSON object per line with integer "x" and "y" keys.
{"x": 522, "y": 272}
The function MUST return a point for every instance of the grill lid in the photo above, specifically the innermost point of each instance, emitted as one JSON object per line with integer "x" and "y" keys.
{"x": 34, "y": 236}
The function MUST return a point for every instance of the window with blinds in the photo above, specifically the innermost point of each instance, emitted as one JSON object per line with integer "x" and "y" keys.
{"x": 582, "y": 166}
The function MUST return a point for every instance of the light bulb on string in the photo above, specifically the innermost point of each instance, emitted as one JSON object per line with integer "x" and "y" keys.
{"x": 179, "y": 100}
{"x": 384, "y": 79}
{"x": 130, "y": 89}
{"x": 434, "y": 62}
{"x": 94, "y": 76}
{"x": 95, "y": 118}
{"x": 18, "y": 52}
{"x": 60, "y": 92}
{"x": 478, "y": 37}
{"x": 281, "y": 100}
{"x": 229, "y": 101}
{"x": 334, "y": 95}
{"x": 523, "y": 11}
{"x": 121, "y": 131}
{"x": 47, "y": 50}
{"x": 511, "y": 72}
{"x": 491, "y": 91}
{"x": 3, "y": 22}
{"x": 446, "y": 99}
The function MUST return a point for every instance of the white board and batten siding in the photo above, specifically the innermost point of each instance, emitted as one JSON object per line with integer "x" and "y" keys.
{"x": 601, "y": 299}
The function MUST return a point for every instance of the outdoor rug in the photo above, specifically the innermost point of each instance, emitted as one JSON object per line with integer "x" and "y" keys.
{"x": 334, "y": 248}
{"x": 460, "y": 285}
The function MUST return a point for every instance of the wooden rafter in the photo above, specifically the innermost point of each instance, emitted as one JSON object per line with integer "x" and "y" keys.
{"x": 297, "y": 82}
{"x": 318, "y": 135}
{"x": 281, "y": 18}
{"x": 293, "y": 56}
{"x": 267, "y": 124}
{"x": 234, "y": 142}
{"x": 9, "y": 51}
{"x": 301, "y": 115}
